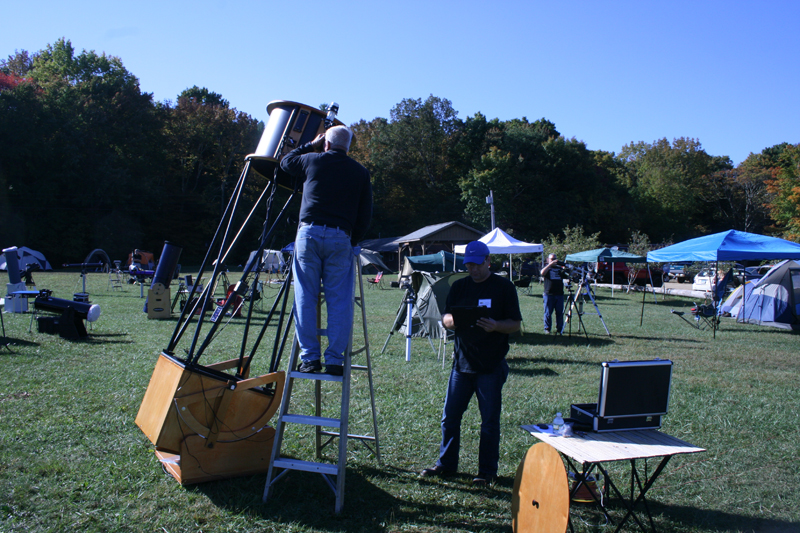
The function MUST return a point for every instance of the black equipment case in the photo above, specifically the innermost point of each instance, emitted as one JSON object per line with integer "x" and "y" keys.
{"x": 633, "y": 395}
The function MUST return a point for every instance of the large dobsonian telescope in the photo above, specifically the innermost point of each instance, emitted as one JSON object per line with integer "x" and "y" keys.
{"x": 209, "y": 421}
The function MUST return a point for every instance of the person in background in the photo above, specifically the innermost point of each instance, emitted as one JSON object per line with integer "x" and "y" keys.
{"x": 553, "y": 294}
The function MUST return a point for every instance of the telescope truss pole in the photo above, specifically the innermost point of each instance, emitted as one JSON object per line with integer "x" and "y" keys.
{"x": 221, "y": 240}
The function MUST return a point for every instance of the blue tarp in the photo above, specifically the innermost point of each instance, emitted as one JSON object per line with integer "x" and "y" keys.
{"x": 729, "y": 245}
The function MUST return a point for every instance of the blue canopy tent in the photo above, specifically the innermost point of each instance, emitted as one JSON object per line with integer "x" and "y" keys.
{"x": 728, "y": 245}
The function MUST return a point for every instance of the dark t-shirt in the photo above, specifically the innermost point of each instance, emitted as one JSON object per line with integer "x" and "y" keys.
{"x": 477, "y": 351}
{"x": 553, "y": 284}
{"x": 336, "y": 192}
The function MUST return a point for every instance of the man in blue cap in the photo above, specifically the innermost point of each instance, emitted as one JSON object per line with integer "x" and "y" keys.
{"x": 479, "y": 362}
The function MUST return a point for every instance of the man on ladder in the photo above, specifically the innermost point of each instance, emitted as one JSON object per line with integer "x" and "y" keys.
{"x": 334, "y": 215}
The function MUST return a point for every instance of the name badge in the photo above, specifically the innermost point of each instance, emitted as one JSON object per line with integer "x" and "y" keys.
{"x": 485, "y": 303}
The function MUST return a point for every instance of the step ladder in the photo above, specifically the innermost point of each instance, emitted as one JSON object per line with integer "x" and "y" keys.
{"x": 335, "y": 427}
{"x": 114, "y": 280}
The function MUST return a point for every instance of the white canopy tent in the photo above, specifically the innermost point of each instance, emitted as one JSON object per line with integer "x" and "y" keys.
{"x": 500, "y": 242}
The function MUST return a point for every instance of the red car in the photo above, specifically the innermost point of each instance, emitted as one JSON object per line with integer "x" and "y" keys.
{"x": 622, "y": 270}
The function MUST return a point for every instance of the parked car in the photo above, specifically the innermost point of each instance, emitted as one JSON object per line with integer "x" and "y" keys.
{"x": 681, "y": 272}
{"x": 704, "y": 280}
{"x": 622, "y": 270}
{"x": 755, "y": 273}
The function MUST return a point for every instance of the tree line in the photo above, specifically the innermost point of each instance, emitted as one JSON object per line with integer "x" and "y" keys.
{"x": 87, "y": 160}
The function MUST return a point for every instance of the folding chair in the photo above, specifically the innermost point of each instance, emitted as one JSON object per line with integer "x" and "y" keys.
{"x": 707, "y": 315}
{"x": 377, "y": 281}
{"x": 523, "y": 285}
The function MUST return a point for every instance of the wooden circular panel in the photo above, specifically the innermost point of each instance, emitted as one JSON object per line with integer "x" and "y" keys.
{"x": 540, "y": 501}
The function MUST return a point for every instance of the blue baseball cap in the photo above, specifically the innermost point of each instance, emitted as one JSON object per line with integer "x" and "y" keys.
{"x": 476, "y": 252}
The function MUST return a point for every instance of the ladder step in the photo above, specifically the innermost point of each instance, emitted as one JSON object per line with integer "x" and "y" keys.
{"x": 306, "y": 466}
{"x": 312, "y": 420}
{"x": 296, "y": 374}
{"x": 349, "y": 435}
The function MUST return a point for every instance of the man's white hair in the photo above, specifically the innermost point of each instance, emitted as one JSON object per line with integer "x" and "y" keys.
{"x": 339, "y": 137}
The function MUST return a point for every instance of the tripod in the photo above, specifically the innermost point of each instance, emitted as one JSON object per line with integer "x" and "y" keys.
{"x": 5, "y": 339}
{"x": 405, "y": 315}
{"x": 576, "y": 300}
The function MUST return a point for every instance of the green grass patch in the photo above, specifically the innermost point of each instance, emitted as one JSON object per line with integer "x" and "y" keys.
{"x": 72, "y": 458}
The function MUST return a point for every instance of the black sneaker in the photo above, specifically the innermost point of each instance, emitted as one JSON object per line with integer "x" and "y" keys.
{"x": 334, "y": 370}
{"x": 309, "y": 367}
{"x": 435, "y": 471}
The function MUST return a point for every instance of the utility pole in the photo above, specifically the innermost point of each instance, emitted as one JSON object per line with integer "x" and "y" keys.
{"x": 490, "y": 201}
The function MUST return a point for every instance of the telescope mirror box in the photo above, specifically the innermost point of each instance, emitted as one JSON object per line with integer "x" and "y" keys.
{"x": 633, "y": 395}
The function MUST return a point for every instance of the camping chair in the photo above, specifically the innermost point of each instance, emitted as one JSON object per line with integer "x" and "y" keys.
{"x": 523, "y": 285}
{"x": 707, "y": 315}
{"x": 377, "y": 281}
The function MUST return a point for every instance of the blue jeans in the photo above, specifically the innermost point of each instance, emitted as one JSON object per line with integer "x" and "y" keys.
{"x": 323, "y": 257}
{"x": 489, "y": 390}
{"x": 554, "y": 303}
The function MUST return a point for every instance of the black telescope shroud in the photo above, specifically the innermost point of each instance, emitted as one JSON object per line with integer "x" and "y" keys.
{"x": 70, "y": 324}
{"x": 165, "y": 270}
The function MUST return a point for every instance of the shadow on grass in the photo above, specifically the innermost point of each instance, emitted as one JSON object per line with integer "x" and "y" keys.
{"x": 304, "y": 499}
{"x": 107, "y": 338}
{"x": 7, "y": 345}
{"x": 516, "y": 365}
{"x": 537, "y": 339}
{"x": 689, "y": 517}
{"x": 670, "y": 339}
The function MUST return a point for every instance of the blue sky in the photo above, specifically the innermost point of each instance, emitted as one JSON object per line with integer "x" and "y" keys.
{"x": 607, "y": 73}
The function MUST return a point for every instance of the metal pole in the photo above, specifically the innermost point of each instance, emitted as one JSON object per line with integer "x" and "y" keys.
{"x": 490, "y": 201}
{"x": 409, "y": 321}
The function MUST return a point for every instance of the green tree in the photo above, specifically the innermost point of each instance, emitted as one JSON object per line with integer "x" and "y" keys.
{"x": 206, "y": 145}
{"x": 204, "y": 96}
{"x": 784, "y": 186}
{"x": 83, "y": 137}
{"x": 574, "y": 240}
{"x": 668, "y": 182}
{"x": 541, "y": 182}
{"x": 740, "y": 196}
{"x": 411, "y": 159}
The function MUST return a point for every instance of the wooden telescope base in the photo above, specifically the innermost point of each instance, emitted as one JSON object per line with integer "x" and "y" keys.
{"x": 207, "y": 424}
{"x": 197, "y": 464}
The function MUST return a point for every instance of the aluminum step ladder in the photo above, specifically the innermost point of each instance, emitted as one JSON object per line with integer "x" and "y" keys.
{"x": 114, "y": 280}
{"x": 333, "y": 474}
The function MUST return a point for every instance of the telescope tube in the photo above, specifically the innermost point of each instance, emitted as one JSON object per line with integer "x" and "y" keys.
{"x": 12, "y": 265}
{"x": 167, "y": 264}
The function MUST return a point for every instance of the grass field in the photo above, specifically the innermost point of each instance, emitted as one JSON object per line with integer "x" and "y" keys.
{"x": 72, "y": 459}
